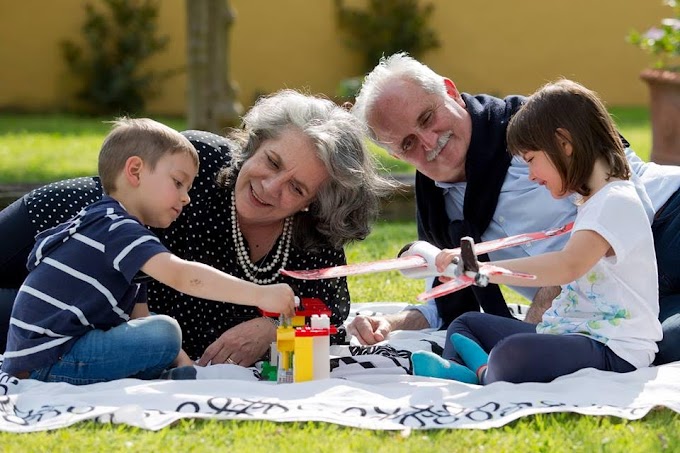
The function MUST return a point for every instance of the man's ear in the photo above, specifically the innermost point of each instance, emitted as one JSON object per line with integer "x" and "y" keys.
{"x": 452, "y": 91}
{"x": 133, "y": 170}
{"x": 564, "y": 140}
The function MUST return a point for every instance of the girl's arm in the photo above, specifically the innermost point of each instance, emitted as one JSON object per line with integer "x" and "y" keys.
{"x": 582, "y": 251}
{"x": 200, "y": 280}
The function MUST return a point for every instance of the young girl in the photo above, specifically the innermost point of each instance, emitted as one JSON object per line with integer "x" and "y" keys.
{"x": 606, "y": 316}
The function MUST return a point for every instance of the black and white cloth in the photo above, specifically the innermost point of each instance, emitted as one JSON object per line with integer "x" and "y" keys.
{"x": 370, "y": 388}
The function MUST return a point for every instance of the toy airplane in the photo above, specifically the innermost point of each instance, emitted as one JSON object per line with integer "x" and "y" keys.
{"x": 468, "y": 271}
{"x": 416, "y": 260}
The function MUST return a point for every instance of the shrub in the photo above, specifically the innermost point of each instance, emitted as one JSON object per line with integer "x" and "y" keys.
{"x": 662, "y": 41}
{"x": 117, "y": 43}
{"x": 383, "y": 28}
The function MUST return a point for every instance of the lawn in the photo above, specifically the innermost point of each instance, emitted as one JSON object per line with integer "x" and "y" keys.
{"x": 45, "y": 148}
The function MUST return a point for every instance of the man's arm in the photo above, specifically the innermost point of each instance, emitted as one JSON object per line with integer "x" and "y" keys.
{"x": 373, "y": 329}
{"x": 542, "y": 301}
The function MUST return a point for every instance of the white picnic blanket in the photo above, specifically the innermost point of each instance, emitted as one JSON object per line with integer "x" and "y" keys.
{"x": 369, "y": 388}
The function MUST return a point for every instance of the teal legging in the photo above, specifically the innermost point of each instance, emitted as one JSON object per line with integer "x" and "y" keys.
{"x": 518, "y": 354}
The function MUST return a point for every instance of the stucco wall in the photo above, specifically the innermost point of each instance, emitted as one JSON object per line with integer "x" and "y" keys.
{"x": 498, "y": 47}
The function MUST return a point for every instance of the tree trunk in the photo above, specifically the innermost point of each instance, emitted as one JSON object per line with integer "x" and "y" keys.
{"x": 211, "y": 102}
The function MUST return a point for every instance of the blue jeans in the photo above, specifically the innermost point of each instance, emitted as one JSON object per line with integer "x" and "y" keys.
{"x": 666, "y": 230}
{"x": 141, "y": 348}
{"x": 518, "y": 354}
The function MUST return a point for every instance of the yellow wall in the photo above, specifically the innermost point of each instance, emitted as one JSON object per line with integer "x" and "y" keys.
{"x": 497, "y": 47}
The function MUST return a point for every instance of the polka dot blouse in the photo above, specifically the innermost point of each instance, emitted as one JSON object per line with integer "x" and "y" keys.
{"x": 202, "y": 233}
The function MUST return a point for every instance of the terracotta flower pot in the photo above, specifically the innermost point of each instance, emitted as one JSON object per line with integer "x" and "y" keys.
{"x": 664, "y": 94}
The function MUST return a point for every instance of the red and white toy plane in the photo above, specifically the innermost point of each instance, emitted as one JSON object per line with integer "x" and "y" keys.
{"x": 417, "y": 260}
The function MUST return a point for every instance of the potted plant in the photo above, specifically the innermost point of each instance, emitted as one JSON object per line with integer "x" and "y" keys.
{"x": 663, "y": 80}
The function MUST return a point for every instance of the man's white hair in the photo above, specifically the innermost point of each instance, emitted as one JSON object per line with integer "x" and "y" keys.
{"x": 399, "y": 66}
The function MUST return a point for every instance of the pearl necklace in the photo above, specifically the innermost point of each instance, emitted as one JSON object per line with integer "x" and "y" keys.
{"x": 251, "y": 270}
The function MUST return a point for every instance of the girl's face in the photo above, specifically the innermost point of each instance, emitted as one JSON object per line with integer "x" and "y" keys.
{"x": 543, "y": 172}
{"x": 280, "y": 179}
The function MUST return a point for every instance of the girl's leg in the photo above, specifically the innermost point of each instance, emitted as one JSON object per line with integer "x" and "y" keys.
{"x": 532, "y": 357}
{"x": 483, "y": 329}
{"x": 141, "y": 348}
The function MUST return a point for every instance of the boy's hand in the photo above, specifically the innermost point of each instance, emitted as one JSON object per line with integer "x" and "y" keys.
{"x": 278, "y": 298}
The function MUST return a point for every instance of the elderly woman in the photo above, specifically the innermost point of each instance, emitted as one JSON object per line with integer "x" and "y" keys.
{"x": 288, "y": 190}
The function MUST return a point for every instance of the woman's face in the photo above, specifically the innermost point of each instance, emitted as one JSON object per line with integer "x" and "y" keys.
{"x": 280, "y": 179}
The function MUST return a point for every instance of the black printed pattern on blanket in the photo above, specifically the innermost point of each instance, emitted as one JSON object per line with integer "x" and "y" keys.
{"x": 485, "y": 414}
{"x": 363, "y": 358}
{"x": 394, "y": 358}
{"x": 6, "y": 380}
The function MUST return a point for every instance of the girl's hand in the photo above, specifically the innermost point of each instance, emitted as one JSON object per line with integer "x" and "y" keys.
{"x": 442, "y": 260}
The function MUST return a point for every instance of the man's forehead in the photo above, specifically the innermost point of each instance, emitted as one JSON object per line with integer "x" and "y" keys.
{"x": 394, "y": 113}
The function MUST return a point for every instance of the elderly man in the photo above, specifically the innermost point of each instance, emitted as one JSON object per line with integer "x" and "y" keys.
{"x": 467, "y": 184}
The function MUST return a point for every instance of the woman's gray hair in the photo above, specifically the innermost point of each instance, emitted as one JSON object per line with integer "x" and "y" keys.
{"x": 399, "y": 66}
{"x": 349, "y": 201}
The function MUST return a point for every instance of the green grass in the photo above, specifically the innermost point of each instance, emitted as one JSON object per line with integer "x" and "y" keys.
{"x": 40, "y": 148}
{"x": 44, "y": 148}
{"x": 634, "y": 124}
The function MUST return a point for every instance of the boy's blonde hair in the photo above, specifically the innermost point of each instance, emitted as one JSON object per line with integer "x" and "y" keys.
{"x": 143, "y": 137}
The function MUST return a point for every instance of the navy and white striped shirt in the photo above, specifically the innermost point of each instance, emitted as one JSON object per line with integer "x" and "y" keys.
{"x": 82, "y": 277}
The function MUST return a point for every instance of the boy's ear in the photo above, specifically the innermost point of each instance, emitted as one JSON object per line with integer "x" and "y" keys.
{"x": 133, "y": 170}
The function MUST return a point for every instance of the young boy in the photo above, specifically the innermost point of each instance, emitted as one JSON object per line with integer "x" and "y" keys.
{"x": 81, "y": 315}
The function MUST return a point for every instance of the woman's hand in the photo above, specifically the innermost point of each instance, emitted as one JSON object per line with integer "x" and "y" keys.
{"x": 241, "y": 345}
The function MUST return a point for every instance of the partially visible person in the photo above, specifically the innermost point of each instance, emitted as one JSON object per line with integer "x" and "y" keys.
{"x": 288, "y": 190}
{"x": 606, "y": 316}
{"x": 82, "y": 309}
{"x": 467, "y": 184}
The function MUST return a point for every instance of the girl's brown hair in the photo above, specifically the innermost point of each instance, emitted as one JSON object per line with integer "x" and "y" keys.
{"x": 567, "y": 111}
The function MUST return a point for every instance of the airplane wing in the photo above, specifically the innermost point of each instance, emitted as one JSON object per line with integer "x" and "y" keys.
{"x": 393, "y": 264}
{"x": 421, "y": 262}
{"x": 451, "y": 286}
{"x": 511, "y": 241}
{"x": 463, "y": 281}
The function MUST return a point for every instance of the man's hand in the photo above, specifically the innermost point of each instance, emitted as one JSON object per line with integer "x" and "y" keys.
{"x": 370, "y": 330}
{"x": 241, "y": 345}
{"x": 542, "y": 301}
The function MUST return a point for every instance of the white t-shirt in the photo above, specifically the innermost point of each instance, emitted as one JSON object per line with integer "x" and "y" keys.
{"x": 616, "y": 302}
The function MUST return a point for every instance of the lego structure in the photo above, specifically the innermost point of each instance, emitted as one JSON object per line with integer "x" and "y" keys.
{"x": 302, "y": 348}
